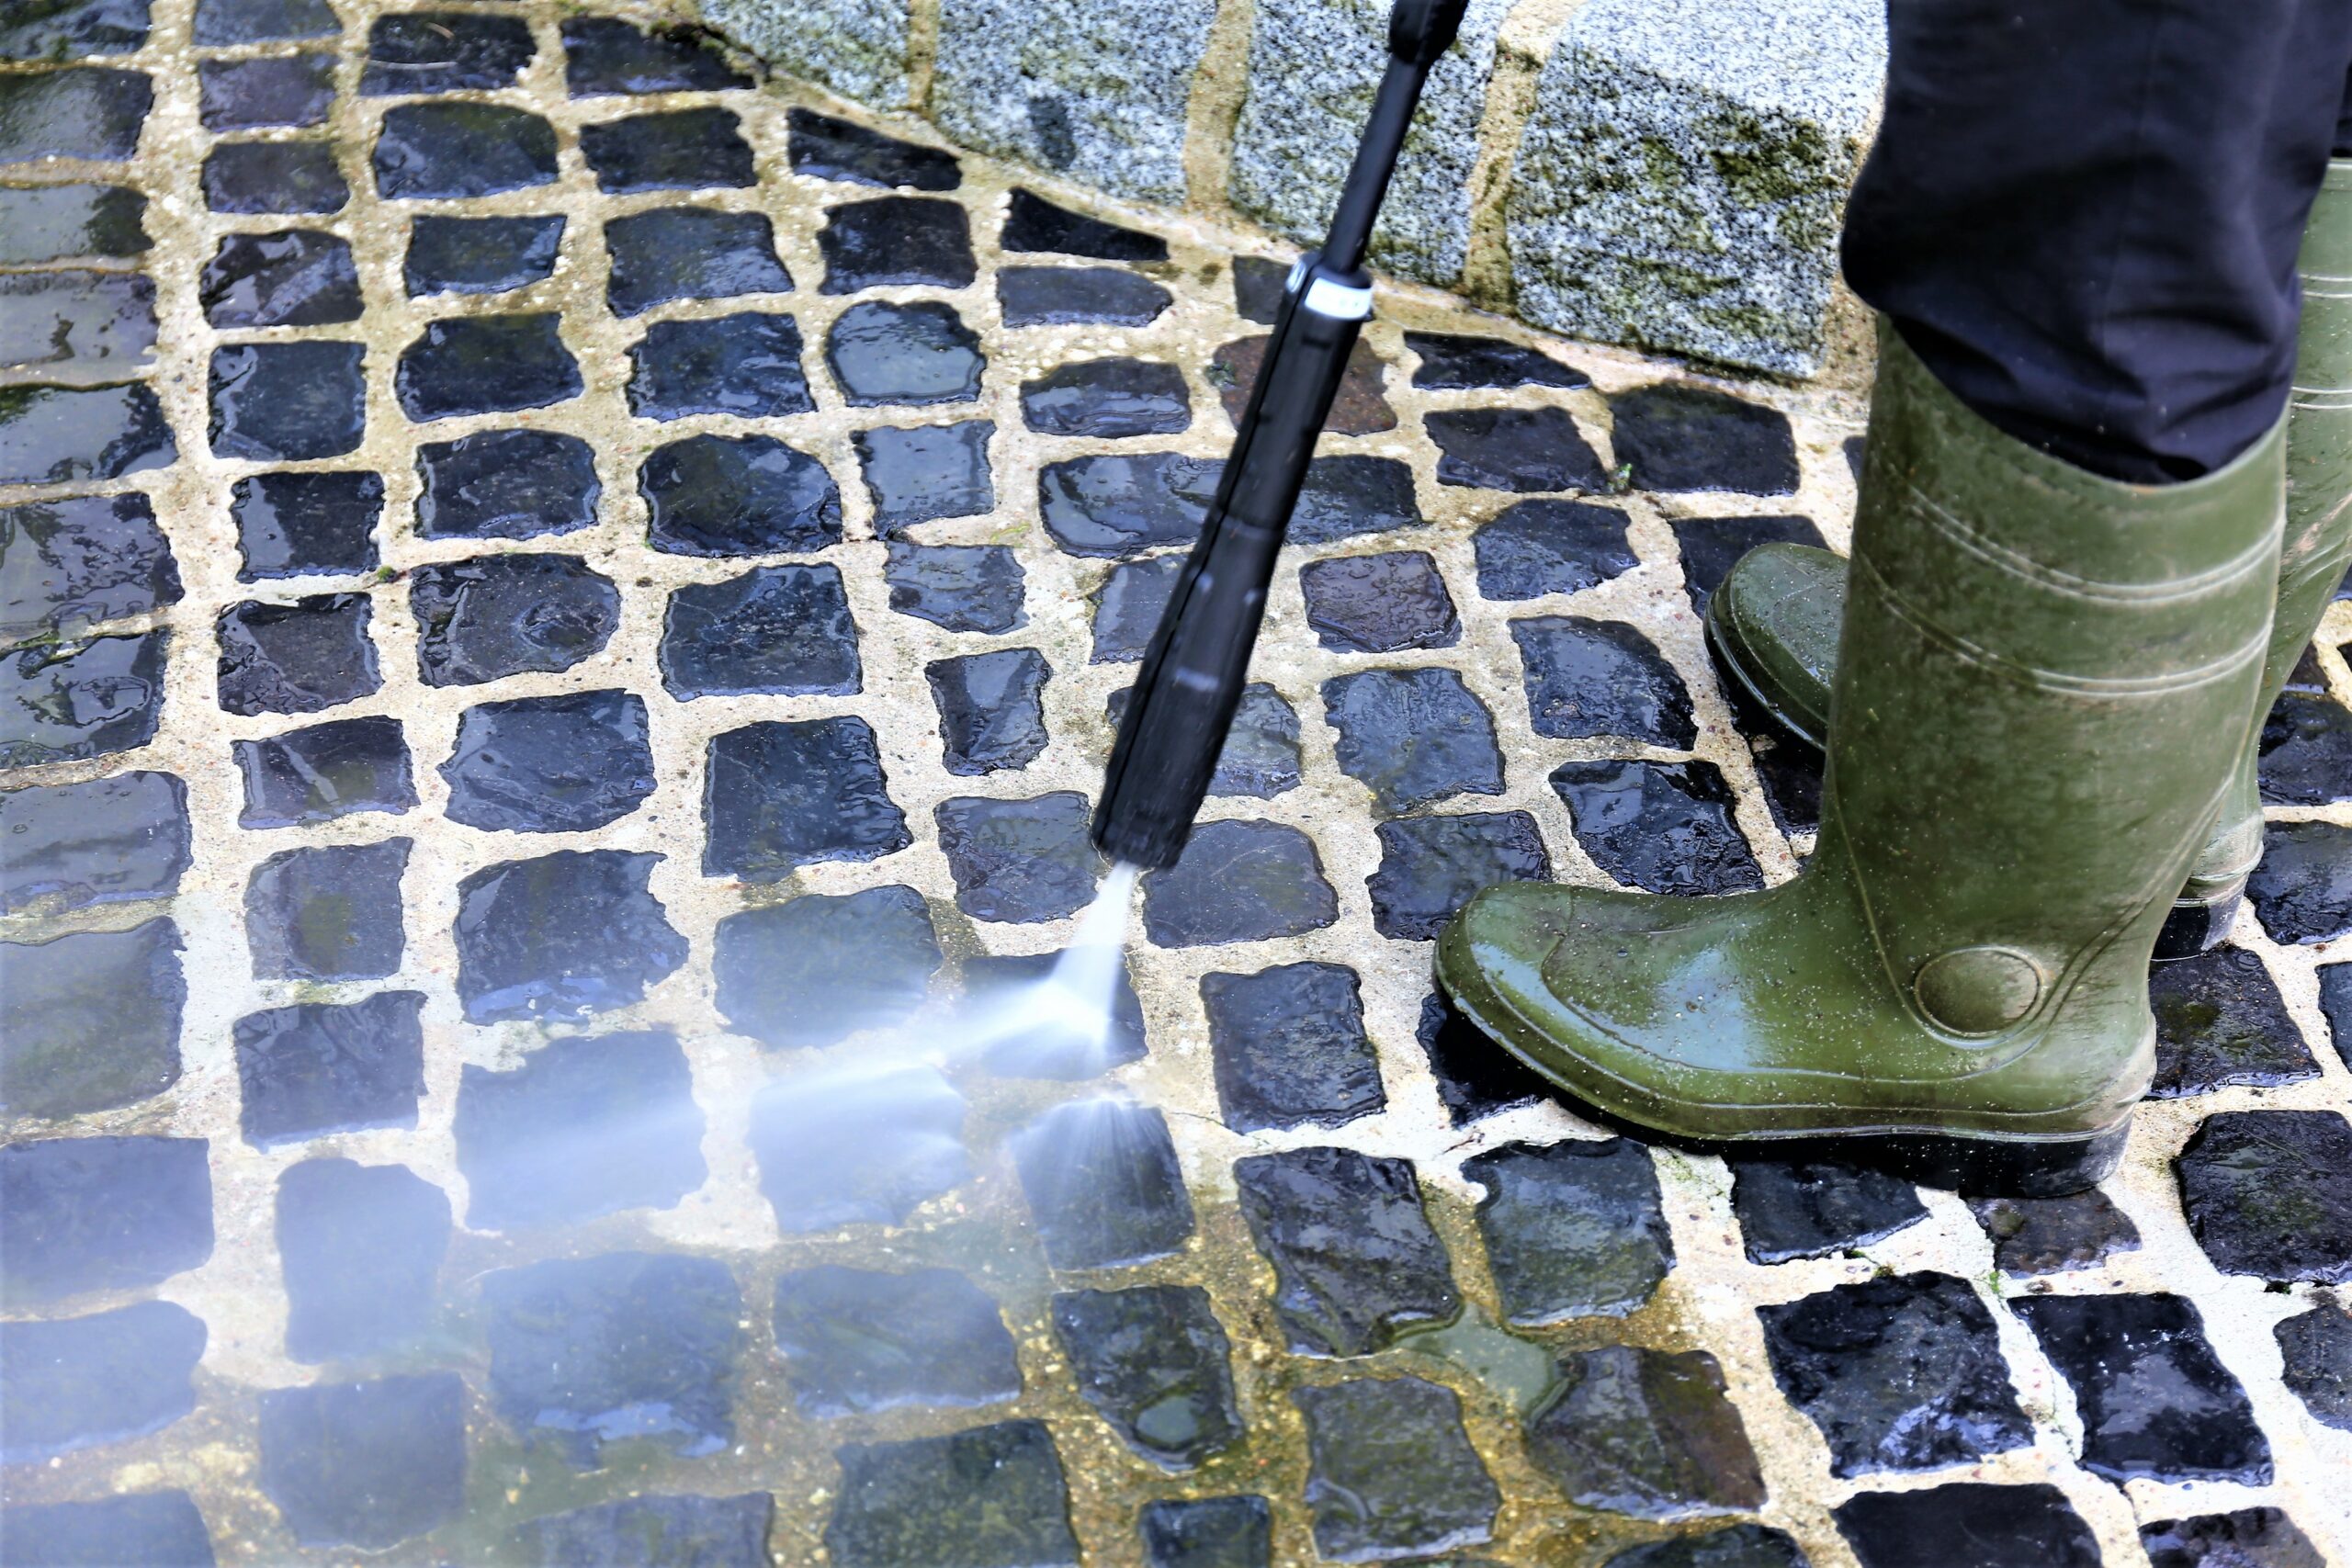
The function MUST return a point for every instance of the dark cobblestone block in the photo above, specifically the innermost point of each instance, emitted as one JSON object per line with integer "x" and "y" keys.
{"x": 285, "y": 89}
{"x": 1360, "y": 408}
{"x": 690, "y": 253}
{"x": 288, "y": 178}
{"x": 2153, "y": 1400}
{"x": 855, "y": 1341}
{"x": 1573, "y": 1229}
{"x": 2307, "y": 752}
{"x": 2307, "y": 679}
{"x": 586, "y": 1127}
{"x": 154, "y": 1529}
{"x": 437, "y": 151}
{"x": 1647, "y": 1433}
{"x": 445, "y": 51}
{"x": 1391, "y": 1472}
{"x": 914, "y": 354}
{"x": 1737, "y": 1545}
{"x": 1066, "y": 296}
{"x": 2336, "y": 1007}
{"x": 740, "y": 495}
{"x": 1966, "y": 1524}
{"x": 294, "y": 524}
{"x": 320, "y": 1067}
{"x": 605, "y": 55}
{"x": 780, "y": 795}
{"x": 1475, "y": 1078}
{"x": 79, "y": 561}
{"x": 328, "y": 912}
{"x": 1379, "y": 604}
{"x": 586, "y": 1352}
{"x": 51, "y": 434}
{"x": 990, "y": 1496}
{"x": 288, "y": 401}
{"x": 1152, "y": 1363}
{"x": 74, "y": 30}
{"x": 300, "y": 657}
{"x": 101, "y": 1214}
{"x": 85, "y": 112}
{"x": 2259, "y": 1536}
{"x": 1520, "y": 450}
{"x": 1450, "y": 363}
{"x": 856, "y": 1148}
{"x": 1113, "y": 504}
{"x": 1413, "y": 735}
{"x": 1108, "y": 398}
{"x": 1792, "y": 781}
{"x": 557, "y": 764}
{"x": 77, "y": 324}
{"x": 480, "y": 256}
{"x": 1792, "y": 1209}
{"x": 1128, "y": 605}
{"x": 2303, "y": 889}
{"x": 361, "y": 1246}
{"x": 108, "y": 841}
{"x": 928, "y": 471}
{"x": 1033, "y": 224}
{"x": 83, "y": 1382}
{"x": 1207, "y": 1532}
{"x": 815, "y": 970}
{"x": 1587, "y": 678}
{"x": 506, "y": 484}
{"x": 2049, "y": 1235}
{"x": 1001, "y": 990}
{"x": 776, "y": 628}
{"x": 2315, "y": 1355}
{"x": 324, "y": 771}
{"x": 2269, "y": 1193}
{"x": 497, "y": 616}
{"x": 1020, "y": 861}
{"x": 561, "y": 936}
{"x": 67, "y": 222}
{"x": 255, "y": 21}
{"x": 1355, "y": 1261}
{"x": 472, "y": 364}
{"x": 896, "y": 240}
{"x": 1351, "y": 495}
{"x": 1103, "y": 1186}
{"x": 1711, "y": 547}
{"x": 1661, "y": 826}
{"x": 668, "y": 1530}
{"x": 1431, "y": 866}
{"x": 991, "y": 708}
{"x": 1290, "y": 1048}
{"x": 366, "y": 1464}
{"x": 1900, "y": 1372}
{"x": 1260, "y": 757}
{"x": 746, "y": 365}
{"x": 963, "y": 588}
{"x": 1678, "y": 436}
{"x": 296, "y": 277}
{"x": 90, "y": 1020}
{"x": 2219, "y": 1021}
{"x": 824, "y": 148}
{"x": 71, "y": 700}
{"x": 1238, "y": 881}
{"x": 1535, "y": 548}
{"x": 683, "y": 150}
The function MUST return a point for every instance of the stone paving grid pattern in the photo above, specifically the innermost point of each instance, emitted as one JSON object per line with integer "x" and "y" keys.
{"x": 705, "y": 1213}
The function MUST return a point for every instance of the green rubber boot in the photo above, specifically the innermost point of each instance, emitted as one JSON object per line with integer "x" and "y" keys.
{"x": 1772, "y": 625}
{"x": 2047, "y": 679}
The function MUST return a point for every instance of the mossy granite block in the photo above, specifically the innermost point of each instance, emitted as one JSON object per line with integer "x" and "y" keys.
{"x": 1291, "y": 148}
{"x": 1682, "y": 178}
{"x": 857, "y": 48}
{"x": 1097, "y": 93}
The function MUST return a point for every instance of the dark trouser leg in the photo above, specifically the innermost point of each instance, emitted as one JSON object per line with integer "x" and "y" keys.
{"x": 2084, "y": 214}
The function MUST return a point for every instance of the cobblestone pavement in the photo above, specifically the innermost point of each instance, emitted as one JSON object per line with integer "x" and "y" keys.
{"x": 562, "y": 609}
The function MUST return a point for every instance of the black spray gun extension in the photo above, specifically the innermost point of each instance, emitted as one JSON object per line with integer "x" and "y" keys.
{"x": 1192, "y": 674}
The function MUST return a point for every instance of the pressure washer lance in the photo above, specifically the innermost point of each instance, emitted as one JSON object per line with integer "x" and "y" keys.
{"x": 1192, "y": 675}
